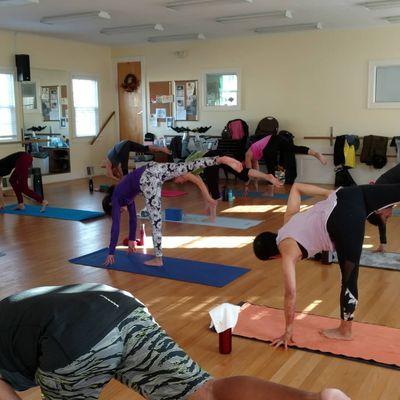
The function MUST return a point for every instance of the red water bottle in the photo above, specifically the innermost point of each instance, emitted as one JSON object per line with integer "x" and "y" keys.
{"x": 142, "y": 237}
{"x": 225, "y": 341}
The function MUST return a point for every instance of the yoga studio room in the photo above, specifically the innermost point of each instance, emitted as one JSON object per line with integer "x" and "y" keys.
{"x": 199, "y": 200}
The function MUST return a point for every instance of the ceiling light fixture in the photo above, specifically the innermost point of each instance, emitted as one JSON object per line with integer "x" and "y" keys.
{"x": 245, "y": 17}
{"x": 17, "y": 2}
{"x": 187, "y": 3}
{"x": 394, "y": 19}
{"x": 75, "y": 17}
{"x": 289, "y": 28}
{"x": 131, "y": 29}
{"x": 175, "y": 38}
{"x": 377, "y": 5}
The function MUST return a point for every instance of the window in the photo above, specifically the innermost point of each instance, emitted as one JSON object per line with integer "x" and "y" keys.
{"x": 384, "y": 84}
{"x": 86, "y": 106}
{"x": 8, "y": 121}
{"x": 221, "y": 90}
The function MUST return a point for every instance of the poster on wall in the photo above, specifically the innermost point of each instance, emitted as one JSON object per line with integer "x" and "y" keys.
{"x": 186, "y": 105}
{"x": 50, "y": 103}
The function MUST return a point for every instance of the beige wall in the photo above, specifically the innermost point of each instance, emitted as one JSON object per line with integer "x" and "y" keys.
{"x": 309, "y": 81}
{"x": 73, "y": 57}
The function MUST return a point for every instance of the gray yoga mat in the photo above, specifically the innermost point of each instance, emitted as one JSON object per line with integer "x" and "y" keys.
{"x": 379, "y": 260}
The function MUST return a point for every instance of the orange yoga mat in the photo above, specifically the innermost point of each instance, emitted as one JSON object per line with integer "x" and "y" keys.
{"x": 371, "y": 343}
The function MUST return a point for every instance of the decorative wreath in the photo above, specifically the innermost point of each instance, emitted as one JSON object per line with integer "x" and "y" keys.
{"x": 131, "y": 83}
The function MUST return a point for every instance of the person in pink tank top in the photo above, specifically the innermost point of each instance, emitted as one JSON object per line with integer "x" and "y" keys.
{"x": 268, "y": 149}
{"x": 336, "y": 223}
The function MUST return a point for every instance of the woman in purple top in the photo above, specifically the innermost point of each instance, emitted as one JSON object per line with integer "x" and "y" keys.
{"x": 148, "y": 180}
{"x": 335, "y": 223}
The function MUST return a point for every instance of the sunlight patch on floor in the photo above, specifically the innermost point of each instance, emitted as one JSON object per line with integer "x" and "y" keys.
{"x": 368, "y": 246}
{"x": 308, "y": 309}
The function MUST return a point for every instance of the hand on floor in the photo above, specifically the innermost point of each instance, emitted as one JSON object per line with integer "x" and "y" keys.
{"x": 109, "y": 260}
{"x": 131, "y": 246}
{"x": 284, "y": 340}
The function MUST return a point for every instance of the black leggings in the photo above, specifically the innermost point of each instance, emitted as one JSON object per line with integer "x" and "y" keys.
{"x": 346, "y": 226}
{"x": 126, "y": 149}
{"x": 211, "y": 175}
{"x": 277, "y": 144}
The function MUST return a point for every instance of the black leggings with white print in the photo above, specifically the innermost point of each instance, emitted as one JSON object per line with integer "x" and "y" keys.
{"x": 151, "y": 182}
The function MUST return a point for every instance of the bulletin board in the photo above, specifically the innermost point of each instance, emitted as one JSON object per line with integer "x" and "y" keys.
{"x": 161, "y": 101}
{"x": 50, "y": 103}
{"x": 186, "y": 100}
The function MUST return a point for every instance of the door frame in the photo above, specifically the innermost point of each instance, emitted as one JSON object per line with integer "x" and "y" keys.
{"x": 143, "y": 83}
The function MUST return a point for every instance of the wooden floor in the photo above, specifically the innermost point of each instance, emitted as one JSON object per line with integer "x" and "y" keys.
{"x": 37, "y": 252}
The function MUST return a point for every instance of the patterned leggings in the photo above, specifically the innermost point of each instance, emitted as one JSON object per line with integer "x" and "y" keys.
{"x": 150, "y": 185}
{"x": 139, "y": 354}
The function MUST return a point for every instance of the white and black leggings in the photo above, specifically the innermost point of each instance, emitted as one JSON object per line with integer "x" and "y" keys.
{"x": 151, "y": 182}
{"x": 346, "y": 226}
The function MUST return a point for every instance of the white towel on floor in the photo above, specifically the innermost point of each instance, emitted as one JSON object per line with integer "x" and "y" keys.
{"x": 224, "y": 316}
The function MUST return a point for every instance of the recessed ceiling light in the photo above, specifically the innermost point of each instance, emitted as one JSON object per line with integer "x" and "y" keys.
{"x": 187, "y": 3}
{"x": 131, "y": 29}
{"x": 245, "y": 17}
{"x": 289, "y": 28}
{"x": 376, "y": 5}
{"x": 175, "y": 38}
{"x": 17, "y": 2}
{"x": 75, "y": 17}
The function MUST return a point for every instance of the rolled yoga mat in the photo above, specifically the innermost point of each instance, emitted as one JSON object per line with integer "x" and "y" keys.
{"x": 371, "y": 343}
{"x": 53, "y": 212}
{"x": 210, "y": 274}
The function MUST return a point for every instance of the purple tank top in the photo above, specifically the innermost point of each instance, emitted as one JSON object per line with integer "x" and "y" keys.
{"x": 309, "y": 227}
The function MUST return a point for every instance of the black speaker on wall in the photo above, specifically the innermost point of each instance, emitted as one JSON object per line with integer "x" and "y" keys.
{"x": 23, "y": 67}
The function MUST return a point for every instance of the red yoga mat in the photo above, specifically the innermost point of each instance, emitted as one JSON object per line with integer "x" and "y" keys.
{"x": 372, "y": 343}
{"x": 172, "y": 193}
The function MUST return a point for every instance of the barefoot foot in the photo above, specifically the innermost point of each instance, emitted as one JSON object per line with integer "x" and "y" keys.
{"x": 322, "y": 159}
{"x": 333, "y": 394}
{"x": 20, "y": 207}
{"x": 44, "y": 205}
{"x": 337, "y": 334}
{"x": 154, "y": 262}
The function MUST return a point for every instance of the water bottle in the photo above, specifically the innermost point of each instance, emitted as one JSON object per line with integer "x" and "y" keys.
{"x": 230, "y": 196}
{"x": 91, "y": 187}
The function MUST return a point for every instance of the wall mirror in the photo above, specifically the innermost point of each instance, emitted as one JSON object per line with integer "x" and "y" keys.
{"x": 45, "y": 102}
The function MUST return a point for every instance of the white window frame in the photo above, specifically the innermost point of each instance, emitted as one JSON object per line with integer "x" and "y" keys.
{"x": 373, "y": 65}
{"x": 224, "y": 71}
{"x": 16, "y": 138}
{"x": 85, "y": 77}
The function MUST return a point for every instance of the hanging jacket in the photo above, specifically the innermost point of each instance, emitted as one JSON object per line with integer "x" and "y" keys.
{"x": 374, "y": 151}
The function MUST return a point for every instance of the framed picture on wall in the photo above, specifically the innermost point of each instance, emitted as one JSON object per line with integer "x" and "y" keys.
{"x": 186, "y": 100}
{"x": 49, "y": 97}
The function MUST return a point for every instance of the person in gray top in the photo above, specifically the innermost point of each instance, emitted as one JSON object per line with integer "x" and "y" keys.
{"x": 72, "y": 340}
{"x": 116, "y": 162}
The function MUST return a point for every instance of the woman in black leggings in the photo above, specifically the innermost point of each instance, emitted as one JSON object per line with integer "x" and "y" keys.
{"x": 335, "y": 223}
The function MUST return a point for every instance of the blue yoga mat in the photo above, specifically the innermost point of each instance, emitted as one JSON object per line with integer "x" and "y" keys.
{"x": 280, "y": 196}
{"x": 174, "y": 268}
{"x": 53, "y": 212}
{"x": 222, "y": 222}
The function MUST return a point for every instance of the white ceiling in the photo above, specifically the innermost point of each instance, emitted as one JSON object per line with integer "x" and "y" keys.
{"x": 333, "y": 14}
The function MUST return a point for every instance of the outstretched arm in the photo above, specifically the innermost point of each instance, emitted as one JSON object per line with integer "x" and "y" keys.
{"x": 156, "y": 149}
{"x": 7, "y": 392}
{"x": 294, "y": 201}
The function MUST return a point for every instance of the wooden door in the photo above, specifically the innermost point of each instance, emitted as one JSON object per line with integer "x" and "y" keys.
{"x": 130, "y": 103}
